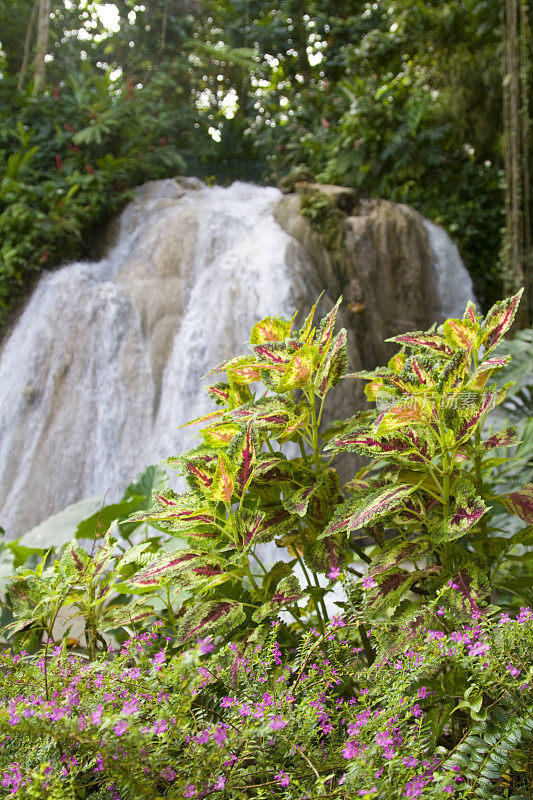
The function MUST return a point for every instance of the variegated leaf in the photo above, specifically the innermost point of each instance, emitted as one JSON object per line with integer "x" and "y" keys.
{"x": 219, "y": 392}
{"x": 486, "y": 369}
{"x": 305, "y": 332}
{"x": 499, "y": 319}
{"x": 206, "y": 418}
{"x": 271, "y": 468}
{"x": 465, "y": 514}
{"x": 220, "y": 435}
{"x": 199, "y": 468}
{"x": 504, "y": 438}
{"x": 325, "y": 330}
{"x": 396, "y": 555}
{"x": 333, "y": 366}
{"x": 223, "y": 481}
{"x": 357, "y": 512}
{"x": 274, "y": 353}
{"x": 463, "y": 420}
{"x": 470, "y": 312}
{"x": 299, "y": 369}
{"x": 461, "y": 334}
{"x": 270, "y": 329}
{"x": 391, "y": 590}
{"x": 178, "y": 512}
{"x": 257, "y": 527}
{"x": 168, "y": 566}
{"x": 411, "y": 411}
{"x": 520, "y": 503}
{"x": 287, "y": 593}
{"x": 210, "y": 618}
{"x": 428, "y": 341}
{"x": 323, "y": 555}
{"x": 453, "y": 373}
{"x": 242, "y": 454}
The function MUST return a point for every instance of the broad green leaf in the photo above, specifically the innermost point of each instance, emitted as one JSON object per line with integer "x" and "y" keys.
{"x": 61, "y": 528}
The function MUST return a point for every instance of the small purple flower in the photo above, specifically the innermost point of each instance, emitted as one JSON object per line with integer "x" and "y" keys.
{"x": 440, "y": 611}
{"x": 168, "y": 774}
{"x": 283, "y": 778}
{"x": 160, "y": 727}
{"x": 96, "y": 716}
{"x": 515, "y": 672}
{"x": 220, "y": 735}
{"x": 221, "y": 782}
{"x": 205, "y": 645}
{"x": 130, "y": 707}
{"x": 334, "y": 573}
{"x": 121, "y": 727}
{"x": 368, "y": 582}
{"x": 277, "y": 723}
{"x": 159, "y": 658}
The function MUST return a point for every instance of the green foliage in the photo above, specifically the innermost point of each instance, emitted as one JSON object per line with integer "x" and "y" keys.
{"x": 444, "y": 711}
{"x": 419, "y": 687}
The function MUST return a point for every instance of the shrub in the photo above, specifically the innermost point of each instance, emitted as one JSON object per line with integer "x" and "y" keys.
{"x": 418, "y": 685}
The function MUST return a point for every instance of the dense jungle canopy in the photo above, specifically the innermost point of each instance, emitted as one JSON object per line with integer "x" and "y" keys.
{"x": 419, "y": 102}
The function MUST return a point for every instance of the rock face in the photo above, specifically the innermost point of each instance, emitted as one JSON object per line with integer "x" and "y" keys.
{"x": 107, "y": 358}
{"x": 384, "y": 268}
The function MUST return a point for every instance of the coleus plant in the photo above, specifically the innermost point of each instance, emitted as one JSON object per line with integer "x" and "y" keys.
{"x": 417, "y": 513}
{"x": 426, "y": 495}
{"x": 245, "y": 491}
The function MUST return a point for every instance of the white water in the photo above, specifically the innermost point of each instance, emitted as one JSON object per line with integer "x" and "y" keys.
{"x": 105, "y": 361}
{"x": 454, "y": 284}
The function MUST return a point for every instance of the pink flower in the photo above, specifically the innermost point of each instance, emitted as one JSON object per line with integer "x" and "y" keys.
{"x": 168, "y": 774}
{"x": 221, "y": 782}
{"x": 189, "y": 791}
{"x": 283, "y": 778}
{"x": 96, "y": 716}
{"x": 160, "y": 726}
{"x": 277, "y": 723}
{"x": 121, "y": 727}
{"x": 220, "y": 735}
{"x": 368, "y": 582}
{"x": 334, "y": 573}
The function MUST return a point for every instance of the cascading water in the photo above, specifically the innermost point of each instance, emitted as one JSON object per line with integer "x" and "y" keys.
{"x": 106, "y": 359}
{"x": 454, "y": 284}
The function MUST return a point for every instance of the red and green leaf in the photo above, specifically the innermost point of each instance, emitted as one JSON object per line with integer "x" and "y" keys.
{"x": 427, "y": 341}
{"x": 270, "y": 329}
{"x": 223, "y": 481}
{"x": 333, "y": 366}
{"x": 465, "y": 514}
{"x": 413, "y": 410}
{"x": 287, "y": 593}
{"x": 323, "y": 555}
{"x": 168, "y": 566}
{"x": 499, "y": 319}
{"x": 520, "y": 503}
{"x": 325, "y": 330}
{"x": 210, "y": 618}
{"x": 219, "y": 435}
{"x": 178, "y": 512}
{"x": 505, "y": 438}
{"x": 358, "y": 512}
{"x": 242, "y": 454}
{"x": 460, "y": 334}
{"x": 299, "y": 369}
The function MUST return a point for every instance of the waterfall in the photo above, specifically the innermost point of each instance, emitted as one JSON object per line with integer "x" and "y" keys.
{"x": 106, "y": 359}
{"x": 454, "y": 284}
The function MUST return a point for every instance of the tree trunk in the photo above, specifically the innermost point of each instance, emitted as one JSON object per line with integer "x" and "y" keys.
{"x": 517, "y": 251}
{"x": 43, "y": 27}
{"x": 27, "y": 44}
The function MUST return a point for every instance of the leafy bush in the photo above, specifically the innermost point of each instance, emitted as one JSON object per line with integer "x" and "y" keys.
{"x": 67, "y": 161}
{"x": 417, "y": 685}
